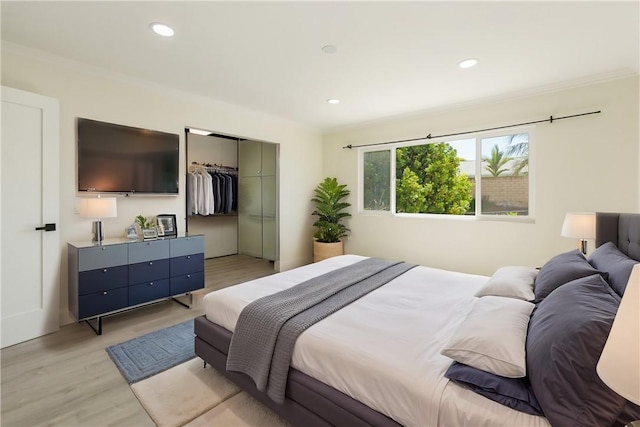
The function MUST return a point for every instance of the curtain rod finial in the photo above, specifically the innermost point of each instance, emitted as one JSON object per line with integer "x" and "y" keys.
{"x": 429, "y": 136}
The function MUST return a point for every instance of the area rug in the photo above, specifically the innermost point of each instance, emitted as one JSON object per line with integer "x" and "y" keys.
{"x": 194, "y": 396}
{"x": 149, "y": 354}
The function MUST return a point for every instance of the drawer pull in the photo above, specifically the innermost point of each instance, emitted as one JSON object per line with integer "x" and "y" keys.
{"x": 104, "y": 293}
{"x": 150, "y": 262}
{"x": 104, "y": 271}
{"x": 103, "y": 248}
{"x": 188, "y": 276}
{"x": 151, "y": 284}
{"x": 188, "y": 256}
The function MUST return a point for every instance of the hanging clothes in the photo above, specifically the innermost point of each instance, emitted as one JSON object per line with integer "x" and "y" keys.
{"x": 192, "y": 194}
{"x": 212, "y": 190}
{"x": 200, "y": 198}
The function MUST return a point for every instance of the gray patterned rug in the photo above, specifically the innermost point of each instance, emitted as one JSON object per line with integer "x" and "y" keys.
{"x": 149, "y": 354}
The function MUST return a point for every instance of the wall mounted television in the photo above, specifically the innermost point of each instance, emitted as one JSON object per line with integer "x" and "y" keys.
{"x": 122, "y": 159}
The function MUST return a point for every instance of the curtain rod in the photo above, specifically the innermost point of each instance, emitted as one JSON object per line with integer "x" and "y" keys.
{"x": 550, "y": 120}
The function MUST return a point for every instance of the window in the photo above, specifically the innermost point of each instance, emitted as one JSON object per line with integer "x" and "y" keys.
{"x": 504, "y": 186}
{"x": 449, "y": 177}
{"x": 377, "y": 180}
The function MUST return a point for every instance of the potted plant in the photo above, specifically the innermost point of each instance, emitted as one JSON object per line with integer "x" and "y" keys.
{"x": 330, "y": 208}
{"x": 147, "y": 227}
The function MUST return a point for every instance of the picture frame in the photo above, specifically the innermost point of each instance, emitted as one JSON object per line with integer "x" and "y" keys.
{"x": 132, "y": 233}
{"x": 167, "y": 226}
{"x": 149, "y": 234}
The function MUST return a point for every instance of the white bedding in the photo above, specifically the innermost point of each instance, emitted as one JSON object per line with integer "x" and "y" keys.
{"x": 384, "y": 349}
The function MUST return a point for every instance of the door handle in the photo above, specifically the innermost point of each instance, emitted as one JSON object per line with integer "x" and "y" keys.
{"x": 47, "y": 227}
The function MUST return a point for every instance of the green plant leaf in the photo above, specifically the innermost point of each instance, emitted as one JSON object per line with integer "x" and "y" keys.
{"x": 330, "y": 208}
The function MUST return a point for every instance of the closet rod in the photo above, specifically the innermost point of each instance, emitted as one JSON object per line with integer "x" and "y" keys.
{"x": 550, "y": 120}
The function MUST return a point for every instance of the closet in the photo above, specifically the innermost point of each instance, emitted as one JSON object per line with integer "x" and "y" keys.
{"x": 257, "y": 208}
{"x": 242, "y": 219}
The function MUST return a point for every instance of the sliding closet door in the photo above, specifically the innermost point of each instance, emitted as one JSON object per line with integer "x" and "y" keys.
{"x": 269, "y": 198}
{"x": 257, "y": 199}
{"x": 250, "y": 198}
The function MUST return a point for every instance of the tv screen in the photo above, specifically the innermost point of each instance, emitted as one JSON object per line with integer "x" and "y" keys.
{"x": 121, "y": 159}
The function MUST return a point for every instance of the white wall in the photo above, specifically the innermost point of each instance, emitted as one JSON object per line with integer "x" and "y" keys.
{"x": 97, "y": 94}
{"x": 582, "y": 164}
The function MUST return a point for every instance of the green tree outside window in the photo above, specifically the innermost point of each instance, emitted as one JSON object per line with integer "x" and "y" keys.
{"x": 429, "y": 180}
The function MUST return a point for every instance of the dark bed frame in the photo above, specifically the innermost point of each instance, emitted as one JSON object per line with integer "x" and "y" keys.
{"x": 622, "y": 229}
{"x": 309, "y": 402}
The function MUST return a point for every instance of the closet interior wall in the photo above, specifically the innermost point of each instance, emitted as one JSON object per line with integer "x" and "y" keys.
{"x": 220, "y": 229}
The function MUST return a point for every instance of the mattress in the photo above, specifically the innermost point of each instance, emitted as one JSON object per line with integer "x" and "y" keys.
{"x": 384, "y": 349}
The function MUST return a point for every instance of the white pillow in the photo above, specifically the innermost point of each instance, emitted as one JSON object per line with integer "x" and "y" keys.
{"x": 511, "y": 282}
{"x": 492, "y": 337}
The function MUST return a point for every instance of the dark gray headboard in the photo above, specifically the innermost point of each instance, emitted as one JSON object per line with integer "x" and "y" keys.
{"x": 622, "y": 229}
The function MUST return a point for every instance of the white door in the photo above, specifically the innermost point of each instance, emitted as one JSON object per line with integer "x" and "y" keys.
{"x": 30, "y": 182}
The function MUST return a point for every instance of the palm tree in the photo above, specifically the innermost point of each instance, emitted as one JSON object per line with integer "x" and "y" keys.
{"x": 519, "y": 148}
{"x": 496, "y": 161}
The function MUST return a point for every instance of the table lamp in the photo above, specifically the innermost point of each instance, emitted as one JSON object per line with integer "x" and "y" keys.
{"x": 98, "y": 208}
{"x": 619, "y": 364}
{"x": 580, "y": 225}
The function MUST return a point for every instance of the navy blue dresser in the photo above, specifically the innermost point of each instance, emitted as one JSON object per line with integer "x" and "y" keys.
{"x": 119, "y": 275}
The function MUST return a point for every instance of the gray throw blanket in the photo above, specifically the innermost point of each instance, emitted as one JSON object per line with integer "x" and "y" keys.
{"x": 267, "y": 329}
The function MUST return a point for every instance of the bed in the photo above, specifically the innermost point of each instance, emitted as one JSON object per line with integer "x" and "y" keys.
{"x": 415, "y": 350}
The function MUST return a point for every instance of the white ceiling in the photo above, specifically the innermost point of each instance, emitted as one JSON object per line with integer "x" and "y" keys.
{"x": 392, "y": 57}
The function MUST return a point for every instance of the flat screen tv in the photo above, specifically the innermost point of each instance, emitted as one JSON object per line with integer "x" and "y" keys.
{"x": 122, "y": 159}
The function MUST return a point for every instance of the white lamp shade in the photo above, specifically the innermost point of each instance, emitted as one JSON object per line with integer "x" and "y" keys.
{"x": 619, "y": 364}
{"x": 101, "y": 207}
{"x": 579, "y": 225}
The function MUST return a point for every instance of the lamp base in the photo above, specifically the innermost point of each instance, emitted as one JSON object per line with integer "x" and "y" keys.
{"x": 583, "y": 246}
{"x": 98, "y": 233}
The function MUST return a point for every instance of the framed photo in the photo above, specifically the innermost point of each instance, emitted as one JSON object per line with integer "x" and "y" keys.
{"x": 167, "y": 225}
{"x": 132, "y": 233}
{"x": 149, "y": 234}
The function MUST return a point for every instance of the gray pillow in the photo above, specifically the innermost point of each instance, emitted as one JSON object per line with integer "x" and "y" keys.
{"x": 511, "y": 282}
{"x": 566, "y": 336}
{"x": 561, "y": 269}
{"x": 515, "y": 393}
{"x": 608, "y": 258}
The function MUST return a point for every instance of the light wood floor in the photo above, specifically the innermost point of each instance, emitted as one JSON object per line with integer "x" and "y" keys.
{"x": 67, "y": 378}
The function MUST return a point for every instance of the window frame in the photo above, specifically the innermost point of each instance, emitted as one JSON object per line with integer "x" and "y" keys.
{"x": 478, "y": 136}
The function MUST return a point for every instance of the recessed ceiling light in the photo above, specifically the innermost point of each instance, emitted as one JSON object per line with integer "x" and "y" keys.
{"x": 333, "y": 101}
{"x": 329, "y": 49}
{"x": 161, "y": 29}
{"x": 468, "y": 63}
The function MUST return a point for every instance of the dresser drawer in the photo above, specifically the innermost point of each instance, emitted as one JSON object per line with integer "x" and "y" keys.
{"x": 148, "y": 270}
{"x": 102, "y": 256}
{"x": 148, "y": 251}
{"x": 187, "y": 246}
{"x": 102, "y": 302}
{"x": 186, "y": 283}
{"x": 149, "y": 291}
{"x": 102, "y": 279}
{"x": 187, "y": 264}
